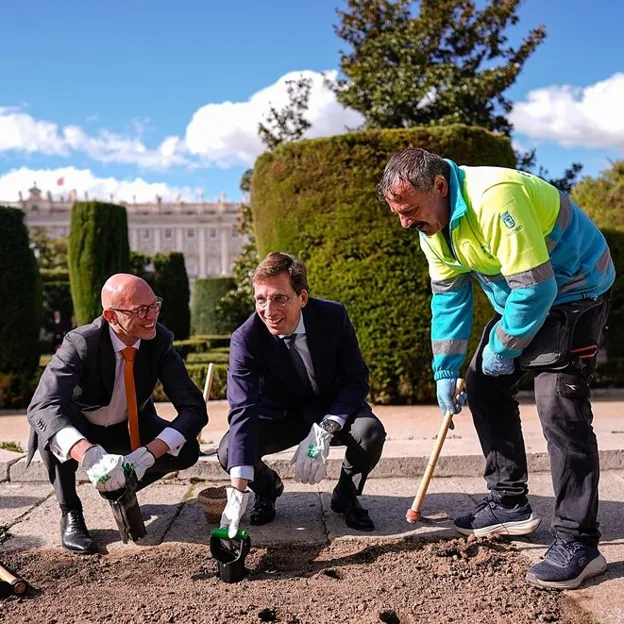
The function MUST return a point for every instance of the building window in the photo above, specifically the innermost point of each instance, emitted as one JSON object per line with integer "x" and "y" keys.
{"x": 190, "y": 233}
{"x": 145, "y": 234}
{"x": 191, "y": 269}
{"x": 212, "y": 233}
{"x": 234, "y": 234}
{"x": 168, "y": 233}
{"x": 34, "y": 207}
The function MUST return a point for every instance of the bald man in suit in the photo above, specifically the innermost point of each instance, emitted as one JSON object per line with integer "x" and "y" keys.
{"x": 93, "y": 406}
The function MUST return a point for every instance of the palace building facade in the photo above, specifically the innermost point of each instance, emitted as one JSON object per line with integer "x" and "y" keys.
{"x": 205, "y": 232}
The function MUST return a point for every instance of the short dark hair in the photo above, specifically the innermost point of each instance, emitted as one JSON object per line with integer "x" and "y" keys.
{"x": 276, "y": 263}
{"x": 415, "y": 166}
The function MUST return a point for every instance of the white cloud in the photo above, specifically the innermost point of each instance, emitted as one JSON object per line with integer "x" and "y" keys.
{"x": 20, "y": 131}
{"x": 221, "y": 134}
{"x": 227, "y": 133}
{"x": 83, "y": 180}
{"x": 589, "y": 117}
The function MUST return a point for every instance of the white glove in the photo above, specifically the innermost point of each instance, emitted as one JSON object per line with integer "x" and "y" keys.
{"x": 234, "y": 510}
{"x": 140, "y": 460}
{"x": 310, "y": 458}
{"x": 104, "y": 470}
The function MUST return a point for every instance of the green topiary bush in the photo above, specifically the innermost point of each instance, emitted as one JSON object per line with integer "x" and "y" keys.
{"x": 98, "y": 248}
{"x": 317, "y": 200}
{"x": 170, "y": 281}
{"x": 20, "y": 294}
{"x": 206, "y": 294}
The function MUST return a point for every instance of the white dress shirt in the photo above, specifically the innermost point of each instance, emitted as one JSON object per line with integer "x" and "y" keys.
{"x": 301, "y": 344}
{"x": 112, "y": 414}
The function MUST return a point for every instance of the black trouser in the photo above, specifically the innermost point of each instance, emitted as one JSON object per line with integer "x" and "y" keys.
{"x": 115, "y": 439}
{"x": 562, "y": 398}
{"x": 363, "y": 435}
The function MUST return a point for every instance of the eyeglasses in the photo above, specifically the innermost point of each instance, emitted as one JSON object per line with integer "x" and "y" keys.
{"x": 278, "y": 301}
{"x": 142, "y": 311}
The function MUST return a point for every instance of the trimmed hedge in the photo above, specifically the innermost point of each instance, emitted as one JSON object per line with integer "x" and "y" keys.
{"x": 214, "y": 357}
{"x": 198, "y": 373}
{"x": 98, "y": 248}
{"x": 207, "y": 292}
{"x": 614, "y": 332}
{"x": 317, "y": 200}
{"x": 20, "y": 294}
{"x": 172, "y": 284}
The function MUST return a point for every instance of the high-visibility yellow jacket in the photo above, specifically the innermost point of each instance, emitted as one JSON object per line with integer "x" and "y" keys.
{"x": 529, "y": 247}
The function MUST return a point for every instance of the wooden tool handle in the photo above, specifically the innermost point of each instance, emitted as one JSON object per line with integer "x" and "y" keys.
{"x": 435, "y": 453}
{"x": 207, "y": 387}
{"x": 208, "y": 383}
{"x": 19, "y": 586}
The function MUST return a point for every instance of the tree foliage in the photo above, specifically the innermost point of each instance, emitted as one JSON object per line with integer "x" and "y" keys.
{"x": 288, "y": 123}
{"x": 448, "y": 63}
{"x": 602, "y": 198}
{"x": 52, "y": 252}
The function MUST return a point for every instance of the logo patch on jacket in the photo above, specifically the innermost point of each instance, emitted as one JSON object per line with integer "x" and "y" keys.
{"x": 508, "y": 220}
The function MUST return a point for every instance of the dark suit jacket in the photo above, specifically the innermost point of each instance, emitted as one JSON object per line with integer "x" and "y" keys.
{"x": 81, "y": 374}
{"x": 262, "y": 382}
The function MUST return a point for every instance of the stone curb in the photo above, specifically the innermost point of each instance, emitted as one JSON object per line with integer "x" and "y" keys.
{"x": 7, "y": 459}
{"x": 209, "y": 469}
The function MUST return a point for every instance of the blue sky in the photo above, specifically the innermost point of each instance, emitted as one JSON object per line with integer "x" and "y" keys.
{"x": 154, "y": 97}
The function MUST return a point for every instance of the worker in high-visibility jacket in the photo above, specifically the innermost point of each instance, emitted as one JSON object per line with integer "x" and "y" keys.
{"x": 544, "y": 266}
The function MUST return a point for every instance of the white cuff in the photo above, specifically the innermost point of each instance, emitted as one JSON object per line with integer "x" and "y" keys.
{"x": 242, "y": 472}
{"x": 339, "y": 419}
{"x": 63, "y": 441}
{"x": 173, "y": 439}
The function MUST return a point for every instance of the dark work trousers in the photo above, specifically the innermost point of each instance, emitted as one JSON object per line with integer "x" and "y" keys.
{"x": 363, "y": 435}
{"x": 562, "y": 398}
{"x": 115, "y": 439}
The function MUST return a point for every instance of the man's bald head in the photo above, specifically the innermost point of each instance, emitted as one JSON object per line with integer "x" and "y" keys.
{"x": 123, "y": 290}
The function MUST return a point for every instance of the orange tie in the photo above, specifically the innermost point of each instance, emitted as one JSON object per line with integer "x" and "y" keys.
{"x": 129, "y": 353}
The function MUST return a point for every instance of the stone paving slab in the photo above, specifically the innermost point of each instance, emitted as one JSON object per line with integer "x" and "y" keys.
{"x": 7, "y": 459}
{"x": 16, "y": 499}
{"x": 160, "y": 504}
{"x": 299, "y": 519}
{"x": 387, "y": 502}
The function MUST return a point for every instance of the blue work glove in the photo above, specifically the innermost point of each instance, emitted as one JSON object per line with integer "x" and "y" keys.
{"x": 495, "y": 365}
{"x": 448, "y": 399}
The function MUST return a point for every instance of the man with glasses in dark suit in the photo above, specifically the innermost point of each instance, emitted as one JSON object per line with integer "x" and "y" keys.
{"x": 296, "y": 377}
{"x": 93, "y": 406}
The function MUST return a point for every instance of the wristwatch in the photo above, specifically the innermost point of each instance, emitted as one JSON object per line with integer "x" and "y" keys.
{"x": 329, "y": 425}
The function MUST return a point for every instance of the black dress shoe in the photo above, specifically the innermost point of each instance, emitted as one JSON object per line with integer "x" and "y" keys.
{"x": 263, "y": 510}
{"x": 356, "y": 517}
{"x": 75, "y": 535}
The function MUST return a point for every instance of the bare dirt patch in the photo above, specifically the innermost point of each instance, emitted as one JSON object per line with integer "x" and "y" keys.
{"x": 396, "y": 582}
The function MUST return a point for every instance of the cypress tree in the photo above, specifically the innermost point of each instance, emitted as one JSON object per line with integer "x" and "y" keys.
{"x": 20, "y": 294}
{"x": 98, "y": 248}
{"x": 205, "y": 315}
{"x": 172, "y": 284}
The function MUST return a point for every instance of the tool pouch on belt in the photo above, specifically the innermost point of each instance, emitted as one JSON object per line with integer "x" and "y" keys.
{"x": 126, "y": 510}
{"x": 550, "y": 349}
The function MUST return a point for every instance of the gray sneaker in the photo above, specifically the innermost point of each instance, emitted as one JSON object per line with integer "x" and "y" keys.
{"x": 491, "y": 518}
{"x": 566, "y": 564}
